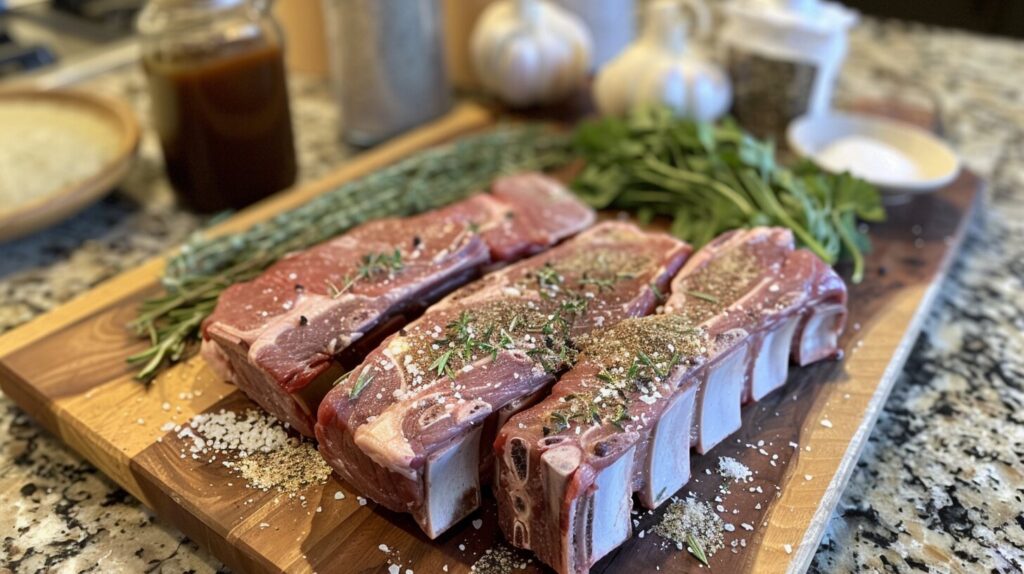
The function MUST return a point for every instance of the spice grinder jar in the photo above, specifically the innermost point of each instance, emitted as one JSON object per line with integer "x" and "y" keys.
{"x": 783, "y": 57}
{"x": 387, "y": 66}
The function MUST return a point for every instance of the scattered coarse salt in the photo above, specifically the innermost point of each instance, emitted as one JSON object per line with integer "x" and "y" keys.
{"x": 826, "y": 423}
{"x": 394, "y": 569}
{"x": 477, "y": 524}
{"x": 339, "y": 495}
{"x": 141, "y": 421}
{"x": 731, "y": 468}
{"x": 361, "y": 501}
{"x": 808, "y": 477}
{"x": 500, "y": 559}
{"x": 788, "y": 548}
{"x": 384, "y": 548}
{"x": 254, "y": 445}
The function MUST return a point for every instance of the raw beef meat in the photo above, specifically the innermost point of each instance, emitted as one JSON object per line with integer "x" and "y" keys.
{"x": 624, "y": 419}
{"x": 411, "y": 428}
{"x": 287, "y": 335}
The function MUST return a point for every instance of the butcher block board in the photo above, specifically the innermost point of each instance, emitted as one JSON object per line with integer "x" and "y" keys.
{"x": 67, "y": 369}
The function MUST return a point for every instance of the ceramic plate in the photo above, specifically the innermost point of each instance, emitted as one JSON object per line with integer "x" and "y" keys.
{"x": 83, "y": 143}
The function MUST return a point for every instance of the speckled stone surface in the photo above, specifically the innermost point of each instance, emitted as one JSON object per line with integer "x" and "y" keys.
{"x": 938, "y": 489}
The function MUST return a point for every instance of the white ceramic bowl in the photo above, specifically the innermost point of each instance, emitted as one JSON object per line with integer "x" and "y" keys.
{"x": 935, "y": 162}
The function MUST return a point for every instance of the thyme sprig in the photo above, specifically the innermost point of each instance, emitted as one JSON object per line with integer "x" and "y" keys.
{"x": 205, "y": 266}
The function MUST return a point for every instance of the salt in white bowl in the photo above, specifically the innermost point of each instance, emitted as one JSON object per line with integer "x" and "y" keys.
{"x": 897, "y": 157}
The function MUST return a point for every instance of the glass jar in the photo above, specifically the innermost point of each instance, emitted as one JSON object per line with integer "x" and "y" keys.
{"x": 783, "y": 57}
{"x": 219, "y": 99}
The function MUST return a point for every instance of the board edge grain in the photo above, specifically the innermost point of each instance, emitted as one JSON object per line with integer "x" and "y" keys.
{"x": 804, "y": 553}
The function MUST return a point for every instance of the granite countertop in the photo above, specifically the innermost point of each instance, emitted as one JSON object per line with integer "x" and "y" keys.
{"x": 938, "y": 489}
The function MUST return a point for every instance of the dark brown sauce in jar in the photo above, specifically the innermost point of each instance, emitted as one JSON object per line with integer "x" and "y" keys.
{"x": 225, "y": 126}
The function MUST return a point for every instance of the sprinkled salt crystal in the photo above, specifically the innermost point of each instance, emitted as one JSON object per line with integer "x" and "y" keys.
{"x": 384, "y": 548}
{"x": 731, "y": 468}
{"x": 361, "y": 501}
{"x": 264, "y": 525}
{"x": 729, "y": 527}
{"x": 477, "y": 524}
{"x": 141, "y": 421}
{"x": 394, "y": 569}
{"x": 339, "y": 495}
{"x": 788, "y": 548}
{"x": 808, "y": 477}
{"x": 746, "y": 526}
{"x": 826, "y": 423}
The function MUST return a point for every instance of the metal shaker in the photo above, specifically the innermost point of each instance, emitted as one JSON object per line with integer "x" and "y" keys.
{"x": 387, "y": 66}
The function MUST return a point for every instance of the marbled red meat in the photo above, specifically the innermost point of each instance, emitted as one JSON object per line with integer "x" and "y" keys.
{"x": 285, "y": 336}
{"x": 411, "y": 427}
{"x": 624, "y": 419}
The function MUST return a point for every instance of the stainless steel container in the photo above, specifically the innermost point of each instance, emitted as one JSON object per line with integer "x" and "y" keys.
{"x": 387, "y": 66}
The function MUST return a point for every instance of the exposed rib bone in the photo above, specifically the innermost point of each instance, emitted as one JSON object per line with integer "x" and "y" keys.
{"x": 668, "y": 460}
{"x": 720, "y": 397}
{"x": 452, "y": 476}
{"x": 771, "y": 363}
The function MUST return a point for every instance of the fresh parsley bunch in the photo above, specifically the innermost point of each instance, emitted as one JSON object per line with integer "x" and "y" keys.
{"x": 710, "y": 178}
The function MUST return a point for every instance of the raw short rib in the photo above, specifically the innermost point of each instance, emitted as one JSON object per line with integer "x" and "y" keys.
{"x": 412, "y": 427}
{"x": 285, "y": 336}
{"x": 646, "y": 391}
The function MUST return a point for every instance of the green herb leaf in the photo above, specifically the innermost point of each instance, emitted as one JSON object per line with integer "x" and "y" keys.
{"x": 710, "y": 178}
{"x": 704, "y": 296}
{"x": 364, "y": 378}
{"x": 695, "y": 548}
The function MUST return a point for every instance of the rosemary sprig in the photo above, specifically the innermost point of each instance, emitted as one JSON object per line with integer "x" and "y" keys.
{"x": 696, "y": 549}
{"x": 704, "y": 296}
{"x": 362, "y": 381}
{"x": 372, "y": 264}
{"x": 204, "y": 267}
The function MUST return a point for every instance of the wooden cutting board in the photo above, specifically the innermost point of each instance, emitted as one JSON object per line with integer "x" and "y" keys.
{"x": 67, "y": 370}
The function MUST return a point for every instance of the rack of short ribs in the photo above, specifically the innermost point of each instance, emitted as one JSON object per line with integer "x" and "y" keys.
{"x": 646, "y": 391}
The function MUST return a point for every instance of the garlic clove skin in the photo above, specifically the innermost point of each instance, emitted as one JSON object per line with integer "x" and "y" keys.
{"x": 658, "y": 69}
{"x": 530, "y": 52}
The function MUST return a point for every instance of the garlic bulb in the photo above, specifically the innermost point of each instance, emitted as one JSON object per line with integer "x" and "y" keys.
{"x": 658, "y": 69}
{"x": 529, "y": 52}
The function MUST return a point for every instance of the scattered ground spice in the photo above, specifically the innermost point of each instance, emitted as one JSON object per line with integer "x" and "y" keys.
{"x": 500, "y": 559}
{"x": 288, "y": 469}
{"x": 691, "y": 517}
